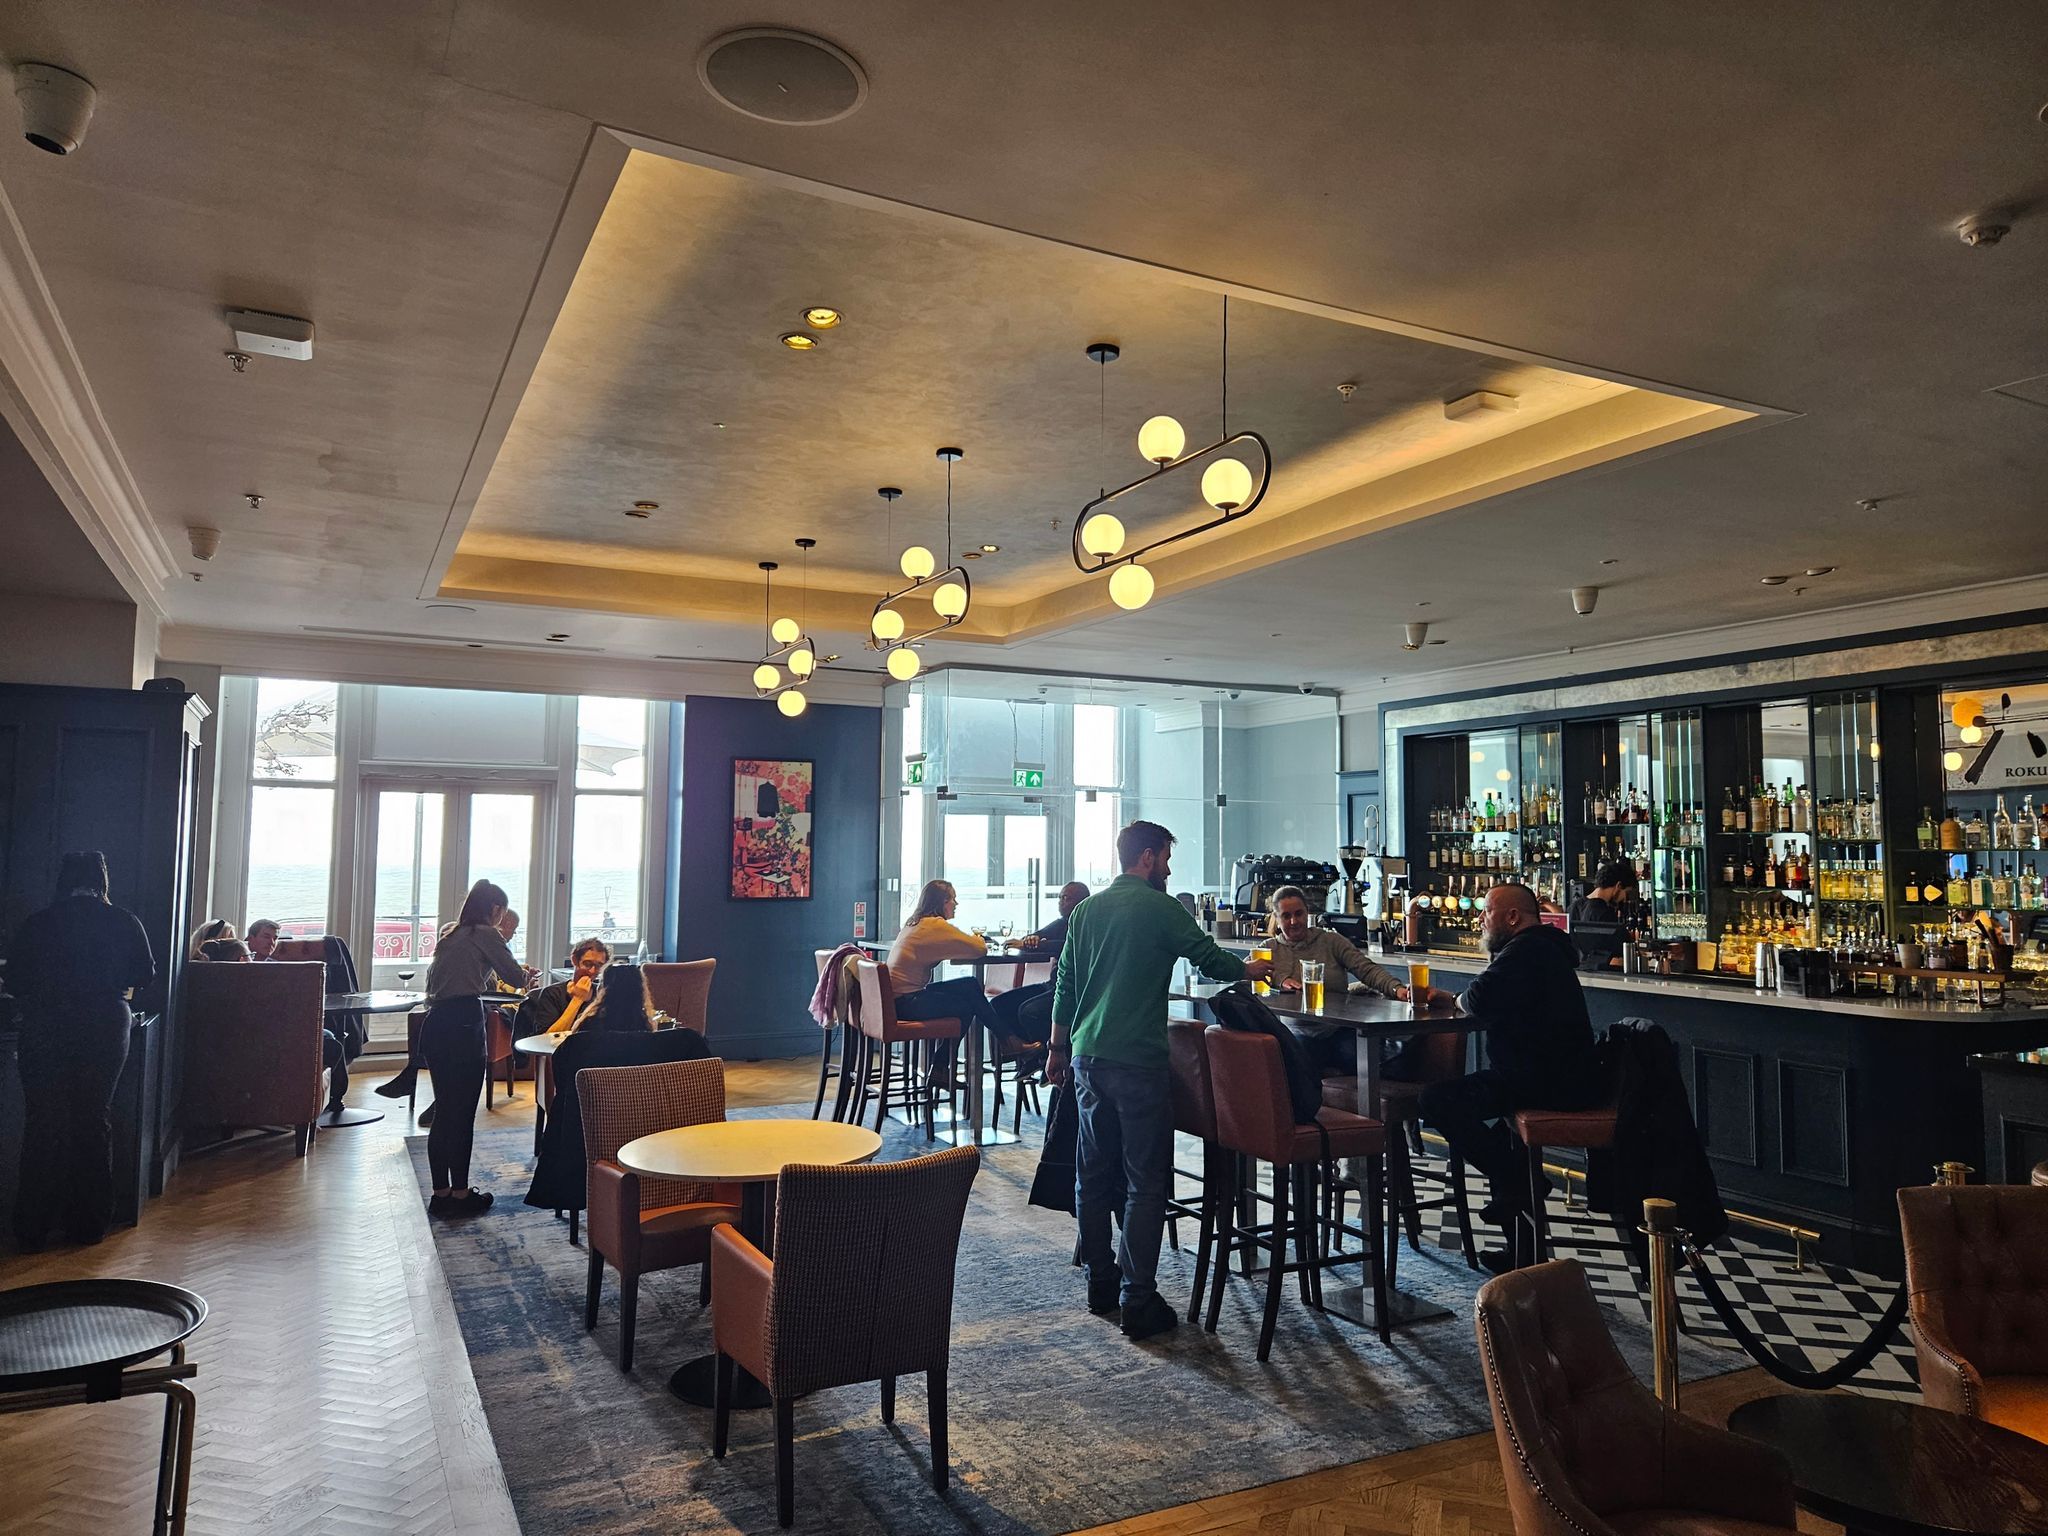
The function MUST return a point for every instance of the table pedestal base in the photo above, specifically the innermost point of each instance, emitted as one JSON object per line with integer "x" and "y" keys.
{"x": 1354, "y": 1302}
{"x": 330, "y": 1118}
{"x": 694, "y": 1380}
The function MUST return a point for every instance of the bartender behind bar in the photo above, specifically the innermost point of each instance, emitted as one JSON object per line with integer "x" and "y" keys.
{"x": 1331, "y": 1047}
{"x": 1596, "y": 917}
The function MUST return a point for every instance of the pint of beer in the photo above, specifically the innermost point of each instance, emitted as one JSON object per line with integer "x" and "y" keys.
{"x": 1312, "y": 985}
{"x": 1418, "y": 985}
{"x": 1263, "y": 952}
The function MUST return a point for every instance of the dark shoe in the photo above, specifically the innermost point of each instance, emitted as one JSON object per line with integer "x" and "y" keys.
{"x": 1497, "y": 1261}
{"x": 1150, "y": 1316}
{"x": 1104, "y": 1299}
{"x": 474, "y": 1203}
{"x": 442, "y": 1205}
{"x": 399, "y": 1087}
{"x": 427, "y": 1116}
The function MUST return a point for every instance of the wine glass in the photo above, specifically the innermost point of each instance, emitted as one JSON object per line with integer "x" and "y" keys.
{"x": 1007, "y": 928}
{"x": 405, "y": 979}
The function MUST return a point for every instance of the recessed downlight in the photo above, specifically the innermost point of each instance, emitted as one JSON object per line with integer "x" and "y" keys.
{"x": 991, "y": 549}
{"x": 821, "y": 317}
{"x": 1820, "y": 570}
{"x": 557, "y": 639}
{"x": 797, "y": 341}
{"x": 1774, "y": 581}
{"x": 643, "y": 509}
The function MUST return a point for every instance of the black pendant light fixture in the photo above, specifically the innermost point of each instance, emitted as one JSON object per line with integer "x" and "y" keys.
{"x": 786, "y": 644}
{"x": 1227, "y": 483}
{"x": 948, "y": 590}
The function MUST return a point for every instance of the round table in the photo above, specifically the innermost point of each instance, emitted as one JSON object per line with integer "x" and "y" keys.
{"x": 365, "y": 1002}
{"x": 751, "y": 1154}
{"x": 1901, "y": 1469}
{"x": 87, "y": 1341}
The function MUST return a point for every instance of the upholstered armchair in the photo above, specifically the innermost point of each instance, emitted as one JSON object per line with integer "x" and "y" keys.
{"x": 253, "y": 1039}
{"x": 638, "y": 1224}
{"x": 860, "y": 1289}
{"x": 1977, "y": 1277}
{"x": 681, "y": 989}
{"x": 1585, "y": 1448}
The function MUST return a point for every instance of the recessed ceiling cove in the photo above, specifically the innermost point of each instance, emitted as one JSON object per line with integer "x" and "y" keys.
{"x": 664, "y": 375}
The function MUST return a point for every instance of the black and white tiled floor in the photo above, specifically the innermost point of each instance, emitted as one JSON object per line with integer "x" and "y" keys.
{"x": 1811, "y": 1316}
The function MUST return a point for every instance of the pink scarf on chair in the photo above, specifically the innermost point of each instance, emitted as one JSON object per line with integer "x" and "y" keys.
{"x": 825, "y": 1001}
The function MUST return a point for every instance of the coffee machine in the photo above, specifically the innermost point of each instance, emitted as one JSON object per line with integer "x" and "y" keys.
{"x": 1348, "y": 906}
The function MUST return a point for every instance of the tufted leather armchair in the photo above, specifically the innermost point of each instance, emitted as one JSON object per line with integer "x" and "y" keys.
{"x": 1586, "y": 1449}
{"x": 1977, "y": 1271}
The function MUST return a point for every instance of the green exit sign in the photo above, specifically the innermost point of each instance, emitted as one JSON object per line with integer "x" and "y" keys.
{"x": 1027, "y": 778}
{"x": 913, "y": 773}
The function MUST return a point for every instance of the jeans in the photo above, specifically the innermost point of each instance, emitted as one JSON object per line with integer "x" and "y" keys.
{"x": 71, "y": 1055}
{"x": 452, "y": 1048}
{"x": 1125, "y": 1150}
{"x": 962, "y": 998}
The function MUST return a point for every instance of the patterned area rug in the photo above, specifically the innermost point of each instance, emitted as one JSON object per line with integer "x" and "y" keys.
{"x": 1057, "y": 1421}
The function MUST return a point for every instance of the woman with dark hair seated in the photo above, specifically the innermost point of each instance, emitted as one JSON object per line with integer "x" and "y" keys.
{"x": 72, "y": 967}
{"x": 207, "y": 933}
{"x": 622, "y": 1005}
{"x": 467, "y": 962}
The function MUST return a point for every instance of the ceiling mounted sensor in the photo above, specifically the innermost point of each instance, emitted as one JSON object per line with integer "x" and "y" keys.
{"x": 1584, "y": 599}
{"x": 1986, "y": 228}
{"x": 1416, "y": 634}
{"x": 205, "y": 542}
{"x": 271, "y": 335}
{"x": 779, "y": 76}
{"x": 56, "y": 106}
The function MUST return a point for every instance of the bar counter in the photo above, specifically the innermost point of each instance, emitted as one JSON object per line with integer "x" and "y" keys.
{"x": 1814, "y": 1110}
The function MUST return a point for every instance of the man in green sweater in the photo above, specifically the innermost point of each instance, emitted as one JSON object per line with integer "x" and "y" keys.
{"x": 1109, "y": 1040}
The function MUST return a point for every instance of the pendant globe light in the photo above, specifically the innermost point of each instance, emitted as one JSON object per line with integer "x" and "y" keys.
{"x": 948, "y": 590}
{"x": 1227, "y": 483}
{"x": 787, "y": 643}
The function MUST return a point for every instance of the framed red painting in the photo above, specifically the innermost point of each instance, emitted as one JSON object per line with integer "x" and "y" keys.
{"x": 771, "y": 829}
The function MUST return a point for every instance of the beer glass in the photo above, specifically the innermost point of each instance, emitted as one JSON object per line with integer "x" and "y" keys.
{"x": 1418, "y": 986}
{"x": 1263, "y": 952}
{"x": 1312, "y": 985}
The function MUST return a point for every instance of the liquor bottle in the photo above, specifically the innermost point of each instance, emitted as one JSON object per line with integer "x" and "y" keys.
{"x": 1976, "y": 832}
{"x": 2026, "y": 829}
{"x": 1600, "y": 807}
{"x": 1727, "y": 809}
{"x": 1770, "y": 872}
{"x": 1802, "y": 816}
{"x": 1957, "y": 893}
{"x": 2001, "y": 826}
{"x": 1749, "y": 870}
{"x": 2002, "y": 890}
{"x": 1950, "y": 833}
{"x": 1587, "y": 804}
{"x": 1785, "y": 808}
{"x": 1757, "y": 821}
{"x": 2030, "y": 889}
{"x": 1728, "y": 869}
{"x": 1741, "y": 804}
{"x": 1980, "y": 888}
{"x": 1927, "y": 833}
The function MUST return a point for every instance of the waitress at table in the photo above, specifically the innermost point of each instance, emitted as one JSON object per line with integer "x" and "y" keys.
{"x": 72, "y": 967}
{"x": 927, "y": 940}
{"x": 468, "y": 960}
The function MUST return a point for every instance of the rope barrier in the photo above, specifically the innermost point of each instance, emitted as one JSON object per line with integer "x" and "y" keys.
{"x": 1769, "y": 1359}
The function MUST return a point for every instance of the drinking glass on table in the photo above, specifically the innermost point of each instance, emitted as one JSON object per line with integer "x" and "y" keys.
{"x": 1418, "y": 986}
{"x": 405, "y": 979}
{"x": 1312, "y": 985}
{"x": 1263, "y": 952}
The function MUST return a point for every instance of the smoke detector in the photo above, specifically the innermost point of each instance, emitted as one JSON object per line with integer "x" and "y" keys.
{"x": 205, "y": 542}
{"x": 271, "y": 335}
{"x": 1417, "y": 633}
{"x": 1583, "y": 599}
{"x": 1987, "y": 228}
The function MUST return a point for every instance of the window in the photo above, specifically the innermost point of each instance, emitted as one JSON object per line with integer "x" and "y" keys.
{"x": 1096, "y": 727}
{"x": 291, "y": 805}
{"x": 607, "y": 850}
{"x": 1096, "y": 822}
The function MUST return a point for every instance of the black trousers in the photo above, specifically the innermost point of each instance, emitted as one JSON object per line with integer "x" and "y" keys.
{"x": 335, "y": 1057}
{"x": 960, "y": 998}
{"x": 1468, "y": 1111}
{"x": 71, "y": 1060}
{"x": 452, "y": 1048}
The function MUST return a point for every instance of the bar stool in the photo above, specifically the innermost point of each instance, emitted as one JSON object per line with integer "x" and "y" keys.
{"x": 844, "y": 1025}
{"x": 884, "y": 1031}
{"x": 1433, "y": 1059}
{"x": 1255, "y": 1120}
{"x": 1537, "y": 1129}
{"x": 1194, "y": 1114}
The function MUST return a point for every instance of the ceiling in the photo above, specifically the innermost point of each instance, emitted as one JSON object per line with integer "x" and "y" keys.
{"x": 1733, "y": 209}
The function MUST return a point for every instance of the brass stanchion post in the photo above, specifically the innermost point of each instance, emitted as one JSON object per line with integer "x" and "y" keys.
{"x": 1660, "y": 1226}
{"x": 1952, "y": 1173}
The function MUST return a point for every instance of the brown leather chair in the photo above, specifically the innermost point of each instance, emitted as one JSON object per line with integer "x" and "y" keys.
{"x": 2040, "y": 1179}
{"x": 253, "y": 1037}
{"x": 861, "y": 1289}
{"x": 1586, "y": 1449}
{"x": 1977, "y": 1274}
{"x": 1536, "y": 1129}
{"x": 681, "y": 989}
{"x": 884, "y": 1032}
{"x": 637, "y": 1224}
{"x": 1255, "y": 1120}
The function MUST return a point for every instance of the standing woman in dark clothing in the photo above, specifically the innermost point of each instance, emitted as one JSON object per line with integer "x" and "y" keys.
{"x": 466, "y": 959}
{"x": 72, "y": 966}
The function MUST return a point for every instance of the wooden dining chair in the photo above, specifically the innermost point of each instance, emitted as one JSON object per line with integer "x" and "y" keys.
{"x": 860, "y": 1289}
{"x": 638, "y": 1224}
{"x": 681, "y": 989}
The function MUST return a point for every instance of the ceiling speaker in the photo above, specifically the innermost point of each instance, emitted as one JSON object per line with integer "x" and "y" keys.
{"x": 779, "y": 76}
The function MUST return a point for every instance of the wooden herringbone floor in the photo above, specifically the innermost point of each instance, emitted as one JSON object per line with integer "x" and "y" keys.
{"x": 335, "y": 1398}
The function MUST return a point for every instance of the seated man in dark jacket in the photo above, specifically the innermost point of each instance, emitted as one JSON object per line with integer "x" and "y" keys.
{"x": 1539, "y": 1050}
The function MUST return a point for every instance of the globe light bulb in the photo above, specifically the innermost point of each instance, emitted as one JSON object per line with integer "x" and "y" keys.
{"x": 1161, "y": 440}
{"x": 1226, "y": 485}
{"x": 1102, "y": 534}
{"x": 903, "y": 664}
{"x": 1952, "y": 761}
{"x": 802, "y": 662}
{"x": 790, "y": 702}
{"x": 1130, "y": 586}
{"x": 1503, "y": 775}
{"x": 917, "y": 562}
{"x": 950, "y": 601}
{"x": 766, "y": 677}
{"x": 1965, "y": 710}
{"x": 887, "y": 624}
{"x": 1971, "y": 735}
{"x": 784, "y": 631}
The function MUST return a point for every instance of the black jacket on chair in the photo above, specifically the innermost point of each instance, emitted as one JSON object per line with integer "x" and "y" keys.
{"x": 560, "y": 1177}
{"x": 1657, "y": 1149}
